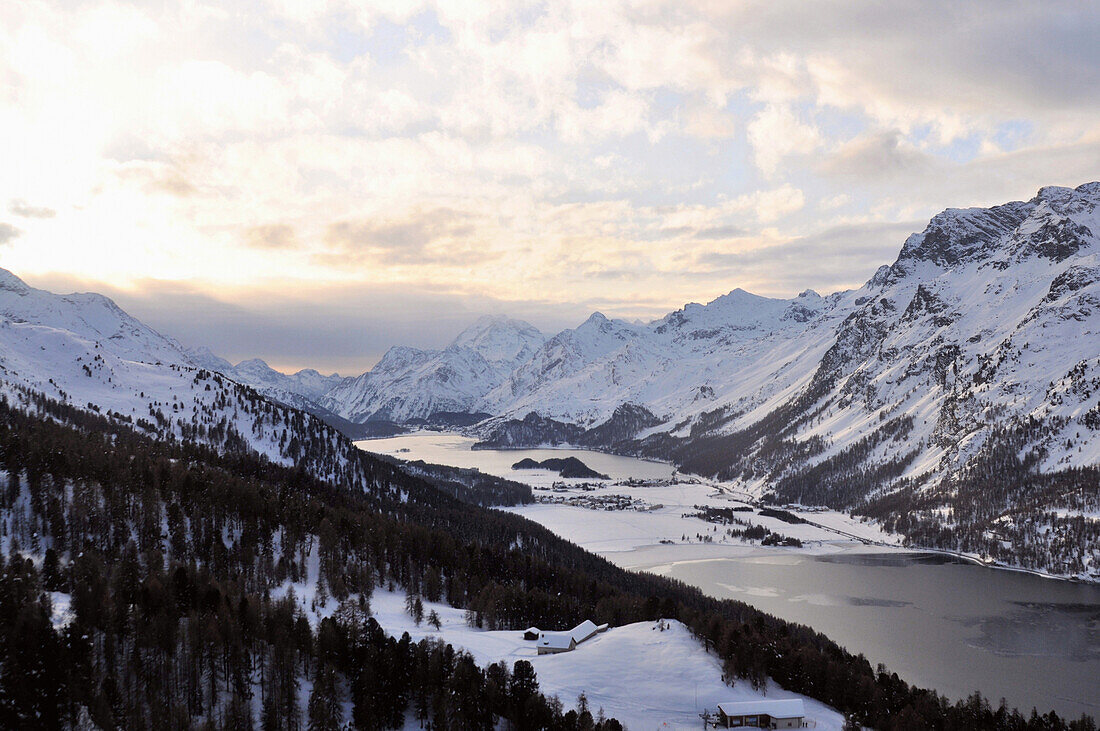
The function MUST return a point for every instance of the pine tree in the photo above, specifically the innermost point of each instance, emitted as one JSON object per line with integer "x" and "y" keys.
{"x": 324, "y": 702}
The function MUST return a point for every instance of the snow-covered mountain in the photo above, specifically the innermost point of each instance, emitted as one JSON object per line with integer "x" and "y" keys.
{"x": 409, "y": 383}
{"x": 955, "y": 396}
{"x": 302, "y": 390}
{"x": 83, "y": 350}
{"x": 988, "y": 314}
{"x": 695, "y": 357}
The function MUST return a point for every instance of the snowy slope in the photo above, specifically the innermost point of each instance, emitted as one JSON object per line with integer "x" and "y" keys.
{"x": 641, "y": 674}
{"x": 301, "y": 390}
{"x": 687, "y": 362}
{"x": 83, "y": 350}
{"x": 91, "y": 317}
{"x": 409, "y": 383}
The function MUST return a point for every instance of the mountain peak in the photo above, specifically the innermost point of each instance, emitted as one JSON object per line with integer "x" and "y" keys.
{"x": 498, "y": 338}
{"x": 12, "y": 283}
{"x": 254, "y": 364}
{"x": 960, "y": 235}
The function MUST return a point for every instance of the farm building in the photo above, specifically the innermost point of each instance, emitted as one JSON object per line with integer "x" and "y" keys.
{"x": 553, "y": 642}
{"x": 531, "y": 633}
{"x": 762, "y": 714}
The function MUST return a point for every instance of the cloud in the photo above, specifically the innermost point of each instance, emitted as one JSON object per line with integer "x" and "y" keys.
{"x": 777, "y": 132}
{"x": 272, "y": 236}
{"x": 8, "y": 233}
{"x": 770, "y": 205}
{"x": 158, "y": 177}
{"x": 539, "y": 154}
{"x": 719, "y": 232}
{"x": 874, "y": 156}
{"x": 345, "y": 329}
{"x": 25, "y": 210}
{"x": 422, "y": 237}
{"x": 837, "y": 258}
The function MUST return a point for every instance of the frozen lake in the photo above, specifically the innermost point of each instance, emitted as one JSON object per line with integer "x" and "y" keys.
{"x": 952, "y": 626}
{"x": 937, "y": 623}
{"x": 455, "y": 450}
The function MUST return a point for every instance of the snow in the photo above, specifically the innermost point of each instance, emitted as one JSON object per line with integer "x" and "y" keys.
{"x": 638, "y": 673}
{"x": 62, "y": 609}
{"x": 987, "y": 316}
{"x": 83, "y": 350}
{"x": 411, "y": 383}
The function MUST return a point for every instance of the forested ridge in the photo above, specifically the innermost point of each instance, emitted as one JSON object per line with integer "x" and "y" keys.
{"x": 172, "y": 555}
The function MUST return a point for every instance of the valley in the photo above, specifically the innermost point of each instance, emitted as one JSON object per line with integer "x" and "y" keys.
{"x": 938, "y": 621}
{"x": 774, "y": 468}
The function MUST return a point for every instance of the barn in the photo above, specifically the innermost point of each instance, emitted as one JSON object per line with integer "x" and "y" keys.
{"x": 531, "y": 633}
{"x": 762, "y": 714}
{"x": 552, "y": 642}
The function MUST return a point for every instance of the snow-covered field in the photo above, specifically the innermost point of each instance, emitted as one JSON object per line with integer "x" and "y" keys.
{"x": 646, "y": 677}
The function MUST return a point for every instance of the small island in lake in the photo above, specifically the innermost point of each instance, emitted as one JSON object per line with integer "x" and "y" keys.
{"x": 567, "y": 467}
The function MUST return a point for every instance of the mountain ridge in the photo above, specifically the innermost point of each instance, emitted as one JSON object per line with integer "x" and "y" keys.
{"x": 955, "y": 396}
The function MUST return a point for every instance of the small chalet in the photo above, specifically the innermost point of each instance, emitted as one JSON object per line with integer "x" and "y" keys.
{"x": 554, "y": 642}
{"x": 531, "y": 633}
{"x": 762, "y": 714}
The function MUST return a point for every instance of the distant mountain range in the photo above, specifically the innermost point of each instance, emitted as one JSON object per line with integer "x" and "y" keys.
{"x": 955, "y": 396}
{"x": 411, "y": 384}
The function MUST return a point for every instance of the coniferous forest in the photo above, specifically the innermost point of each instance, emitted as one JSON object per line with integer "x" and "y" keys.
{"x": 172, "y": 555}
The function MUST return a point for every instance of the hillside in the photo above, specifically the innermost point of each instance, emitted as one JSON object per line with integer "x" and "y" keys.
{"x": 83, "y": 350}
{"x": 149, "y": 582}
{"x": 156, "y": 515}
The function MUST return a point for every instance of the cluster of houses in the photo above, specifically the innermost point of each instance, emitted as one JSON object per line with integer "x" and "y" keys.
{"x": 553, "y": 642}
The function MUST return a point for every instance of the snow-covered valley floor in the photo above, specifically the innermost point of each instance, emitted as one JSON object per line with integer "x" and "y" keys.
{"x": 665, "y": 528}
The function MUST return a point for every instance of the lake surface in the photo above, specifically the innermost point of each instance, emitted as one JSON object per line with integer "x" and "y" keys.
{"x": 937, "y": 623}
{"x": 955, "y": 627}
{"x": 455, "y": 450}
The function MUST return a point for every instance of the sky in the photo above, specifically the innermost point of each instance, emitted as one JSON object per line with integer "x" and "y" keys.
{"x": 312, "y": 181}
